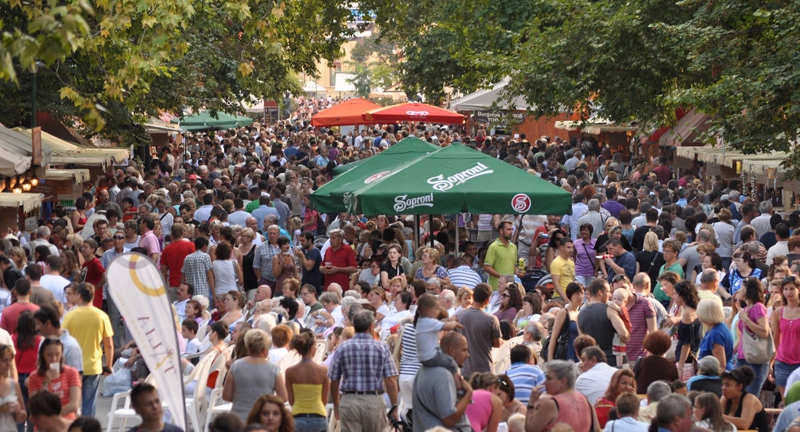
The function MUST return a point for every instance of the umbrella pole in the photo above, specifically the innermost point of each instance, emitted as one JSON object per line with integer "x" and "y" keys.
{"x": 456, "y": 234}
{"x": 430, "y": 228}
{"x": 416, "y": 231}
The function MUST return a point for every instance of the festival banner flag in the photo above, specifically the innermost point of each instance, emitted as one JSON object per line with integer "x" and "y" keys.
{"x": 138, "y": 290}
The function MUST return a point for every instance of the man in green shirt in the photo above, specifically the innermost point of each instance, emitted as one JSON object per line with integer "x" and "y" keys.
{"x": 501, "y": 258}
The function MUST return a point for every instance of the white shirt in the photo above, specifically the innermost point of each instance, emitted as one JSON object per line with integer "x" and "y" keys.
{"x": 780, "y": 248}
{"x": 276, "y": 354}
{"x": 193, "y": 346}
{"x": 180, "y": 308}
{"x": 594, "y": 382}
{"x": 55, "y": 284}
{"x": 627, "y": 424}
{"x": 761, "y": 224}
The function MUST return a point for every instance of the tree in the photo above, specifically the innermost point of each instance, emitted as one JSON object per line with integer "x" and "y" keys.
{"x": 362, "y": 80}
{"x": 115, "y": 64}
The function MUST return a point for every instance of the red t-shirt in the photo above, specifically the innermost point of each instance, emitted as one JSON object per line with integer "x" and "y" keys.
{"x": 26, "y": 359}
{"x": 60, "y": 386}
{"x": 344, "y": 257}
{"x": 8, "y": 321}
{"x": 173, "y": 256}
{"x": 92, "y": 272}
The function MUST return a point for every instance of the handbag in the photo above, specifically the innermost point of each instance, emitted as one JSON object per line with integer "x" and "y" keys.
{"x": 757, "y": 350}
{"x": 562, "y": 343}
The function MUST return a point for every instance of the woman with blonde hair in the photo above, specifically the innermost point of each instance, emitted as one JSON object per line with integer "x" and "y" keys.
{"x": 430, "y": 267}
{"x": 649, "y": 260}
{"x": 18, "y": 257}
{"x": 73, "y": 244}
{"x": 247, "y": 251}
{"x": 253, "y": 375}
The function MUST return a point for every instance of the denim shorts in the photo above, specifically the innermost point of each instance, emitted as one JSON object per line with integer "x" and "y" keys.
{"x": 782, "y": 372}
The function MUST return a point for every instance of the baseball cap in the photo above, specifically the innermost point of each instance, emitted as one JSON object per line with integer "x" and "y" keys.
{"x": 192, "y": 176}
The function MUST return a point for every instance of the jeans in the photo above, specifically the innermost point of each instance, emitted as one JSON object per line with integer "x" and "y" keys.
{"x": 310, "y": 424}
{"x": 89, "y": 391}
{"x": 21, "y": 426}
{"x": 761, "y": 370}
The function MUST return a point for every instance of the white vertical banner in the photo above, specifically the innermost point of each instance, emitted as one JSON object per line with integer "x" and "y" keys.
{"x": 138, "y": 290}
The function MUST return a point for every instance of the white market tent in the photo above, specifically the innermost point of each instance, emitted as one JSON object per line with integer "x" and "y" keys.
{"x": 312, "y": 87}
{"x": 15, "y": 152}
{"x": 486, "y": 98}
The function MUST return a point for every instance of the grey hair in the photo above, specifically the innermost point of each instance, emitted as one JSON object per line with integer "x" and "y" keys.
{"x": 709, "y": 275}
{"x": 672, "y": 407}
{"x": 563, "y": 370}
{"x": 753, "y": 248}
{"x": 657, "y": 390}
{"x": 352, "y": 293}
{"x": 336, "y": 232}
{"x": 449, "y": 295}
{"x": 704, "y": 234}
{"x": 709, "y": 366}
{"x": 435, "y": 281}
{"x": 347, "y": 301}
{"x": 594, "y": 204}
{"x": 535, "y": 329}
{"x": 363, "y": 320}
{"x": 329, "y": 297}
{"x": 42, "y": 231}
{"x": 765, "y": 206}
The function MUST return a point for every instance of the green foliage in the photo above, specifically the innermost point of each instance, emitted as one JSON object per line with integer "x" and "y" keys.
{"x": 113, "y": 64}
{"x": 362, "y": 80}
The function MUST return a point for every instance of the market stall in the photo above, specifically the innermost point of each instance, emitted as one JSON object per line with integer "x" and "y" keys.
{"x": 16, "y": 207}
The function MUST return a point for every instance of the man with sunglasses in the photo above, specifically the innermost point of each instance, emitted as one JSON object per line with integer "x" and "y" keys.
{"x": 113, "y": 312}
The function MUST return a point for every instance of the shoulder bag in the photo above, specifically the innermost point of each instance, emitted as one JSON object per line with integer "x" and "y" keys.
{"x": 562, "y": 343}
{"x": 757, "y": 350}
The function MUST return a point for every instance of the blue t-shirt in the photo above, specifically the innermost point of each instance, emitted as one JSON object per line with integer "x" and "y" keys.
{"x": 718, "y": 335}
{"x": 628, "y": 263}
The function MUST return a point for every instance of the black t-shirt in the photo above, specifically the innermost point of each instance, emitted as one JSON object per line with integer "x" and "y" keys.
{"x": 391, "y": 271}
{"x": 313, "y": 277}
{"x": 645, "y": 258}
{"x": 638, "y": 237}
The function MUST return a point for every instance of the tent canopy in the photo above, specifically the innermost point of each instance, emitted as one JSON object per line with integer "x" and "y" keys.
{"x": 312, "y": 87}
{"x": 62, "y": 148}
{"x": 346, "y": 113}
{"x": 204, "y": 120}
{"x": 16, "y": 152}
{"x": 26, "y": 201}
{"x": 330, "y": 197}
{"x": 413, "y": 111}
{"x": 486, "y": 100}
{"x": 459, "y": 179}
{"x": 76, "y": 175}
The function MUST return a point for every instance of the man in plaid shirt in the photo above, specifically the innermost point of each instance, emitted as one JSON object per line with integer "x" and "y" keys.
{"x": 368, "y": 370}
{"x": 197, "y": 271}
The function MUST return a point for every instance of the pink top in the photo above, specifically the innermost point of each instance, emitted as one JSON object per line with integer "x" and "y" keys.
{"x": 754, "y": 313}
{"x": 480, "y": 410}
{"x": 150, "y": 243}
{"x": 574, "y": 410}
{"x": 790, "y": 339}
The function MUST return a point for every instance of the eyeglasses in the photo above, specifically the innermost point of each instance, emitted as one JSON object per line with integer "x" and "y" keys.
{"x": 505, "y": 295}
{"x": 119, "y": 237}
{"x": 618, "y": 278}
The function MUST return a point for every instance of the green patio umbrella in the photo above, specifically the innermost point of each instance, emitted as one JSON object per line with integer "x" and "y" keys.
{"x": 347, "y": 167}
{"x": 329, "y": 198}
{"x": 459, "y": 179}
{"x": 205, "y": 121}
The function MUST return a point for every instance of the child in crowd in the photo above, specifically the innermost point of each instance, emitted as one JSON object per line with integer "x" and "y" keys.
{"x": 189, "y": 329}
{"x": 194, "y": 311}
{"x": 618, "y": 301}
{"x": 428, "y": 327}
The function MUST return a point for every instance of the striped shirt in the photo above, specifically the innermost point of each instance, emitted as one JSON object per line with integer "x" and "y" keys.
{"x": 525, "y": 377}
{"x": 464, "y": 276}
{"x": 639, "y": 313}
{"x": 409, "y": 363}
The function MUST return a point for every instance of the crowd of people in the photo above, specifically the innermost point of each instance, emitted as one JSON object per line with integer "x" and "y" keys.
{"x": 661, "y": 301}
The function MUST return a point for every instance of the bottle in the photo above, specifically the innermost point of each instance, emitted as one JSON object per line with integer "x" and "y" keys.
{"x": 521, "y": 265}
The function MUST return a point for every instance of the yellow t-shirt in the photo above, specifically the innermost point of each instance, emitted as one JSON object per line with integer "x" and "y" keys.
{"x": 503, "y": 259}
{"x": 565, "y": 269}
{"x": 89, "y": 325}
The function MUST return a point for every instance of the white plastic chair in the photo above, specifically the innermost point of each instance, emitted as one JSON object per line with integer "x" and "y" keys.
{"x": 501, "y": 358}
{"x": 201, "y": 332}
{"x": 126, "y": 412}
{"x": 290, "y": 359}
{"x": 213, "y": 409}
{"x": 322, "y": 346}
{"x": 196, "y": 403}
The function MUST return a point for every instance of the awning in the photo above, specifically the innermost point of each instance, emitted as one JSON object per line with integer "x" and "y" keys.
{"x": 64, "y": 149}
{"x": 488, "y": 99}
{"x": 312, "y": 87}
{"x": 595, "y": 126}
{"x": 76, "y": 175}
{"x": 27, "y": 201}
{"x": 345, "y": 113}
{"x": 342, "y": 84}
{"x": 12, "y": 141}
{"x": 751, "y": 164}
{"x": 679, "y": 113}
{"x": 687, "y": 130}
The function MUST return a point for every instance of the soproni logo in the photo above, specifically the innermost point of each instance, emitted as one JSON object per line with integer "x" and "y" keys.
{"x": 521, "y": 203}
{"x": 442, "y": 184}
{"x": 417, "y": 113}
{"x": 403, "y": 202}
{"x": 376, "y": 176}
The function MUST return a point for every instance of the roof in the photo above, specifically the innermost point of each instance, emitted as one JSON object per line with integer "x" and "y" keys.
{"x": 27, "y": 201}
{"x": 76, "y": 175}
{"x": 64, "y": 149}
{"x": 492, "y": 98}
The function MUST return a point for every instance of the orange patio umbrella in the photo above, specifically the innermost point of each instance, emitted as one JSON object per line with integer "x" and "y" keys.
{"x": 346, "y": 113}
{"x": 413, "y": 111}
